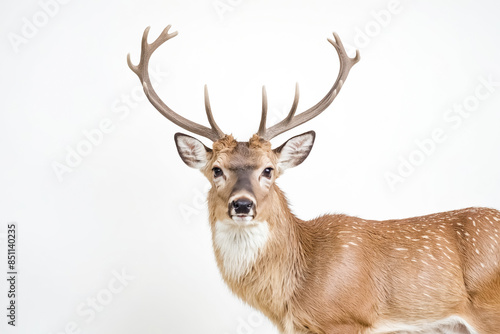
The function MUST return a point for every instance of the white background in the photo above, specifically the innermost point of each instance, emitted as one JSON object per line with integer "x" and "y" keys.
{"x": 132, "y": 205}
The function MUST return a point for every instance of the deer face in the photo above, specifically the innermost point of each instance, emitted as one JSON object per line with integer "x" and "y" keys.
{"x": 242, "y": 174}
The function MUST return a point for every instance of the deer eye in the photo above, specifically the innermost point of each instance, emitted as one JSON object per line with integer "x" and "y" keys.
{"x": 217, "y": 172}
{"x": 267, "y": 172}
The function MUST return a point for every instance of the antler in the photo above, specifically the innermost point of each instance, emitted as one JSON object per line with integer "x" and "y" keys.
{"x": 214, "y": 133}
{"x": 291, "y": 120}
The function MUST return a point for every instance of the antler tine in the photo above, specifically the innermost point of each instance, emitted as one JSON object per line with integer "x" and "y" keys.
{"x": 291, "y": 113}
{"x": 289, "y": 118}
{"x": 292, "y": 121}
{"x": 141, "y": 70}
{"x": 210, "y": 116}
{"x": 263, "y": 118}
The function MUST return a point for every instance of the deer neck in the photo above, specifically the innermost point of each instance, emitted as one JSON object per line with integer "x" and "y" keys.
{"x": 263, "y": 262}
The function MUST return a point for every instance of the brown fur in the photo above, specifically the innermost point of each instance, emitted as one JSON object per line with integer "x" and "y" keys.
{"x": 342, "y": 274}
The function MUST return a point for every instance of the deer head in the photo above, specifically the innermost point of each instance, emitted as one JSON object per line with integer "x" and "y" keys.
{"x": 242, "y": 174}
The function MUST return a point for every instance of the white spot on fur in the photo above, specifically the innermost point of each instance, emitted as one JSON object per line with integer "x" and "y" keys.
{"x": 239, "y": 245}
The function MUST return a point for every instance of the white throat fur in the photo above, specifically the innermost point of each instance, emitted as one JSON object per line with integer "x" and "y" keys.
{"x": 239, "y": 245}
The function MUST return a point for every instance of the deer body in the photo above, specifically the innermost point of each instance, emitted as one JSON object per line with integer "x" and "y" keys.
{"x": 342, "y": 274}
{"x": 335, "y": 274}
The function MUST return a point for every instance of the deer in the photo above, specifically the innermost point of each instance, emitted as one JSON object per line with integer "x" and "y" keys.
{"x": 336, "y": 274}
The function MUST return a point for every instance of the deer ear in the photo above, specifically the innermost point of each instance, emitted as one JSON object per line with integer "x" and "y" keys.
{"x": 295, "y": 150}
{"x": 192, "y": 151}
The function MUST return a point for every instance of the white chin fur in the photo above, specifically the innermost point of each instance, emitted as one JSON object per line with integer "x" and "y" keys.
{"x": 239, "y": 243}
{"x": 242, "y": 219}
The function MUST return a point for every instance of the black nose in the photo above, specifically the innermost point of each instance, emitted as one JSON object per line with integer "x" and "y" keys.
{"x": 242, "y": 205}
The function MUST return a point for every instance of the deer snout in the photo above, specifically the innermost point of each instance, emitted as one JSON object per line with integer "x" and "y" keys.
{"x": 242, "y": 206}
{"x": 242, "y": 209}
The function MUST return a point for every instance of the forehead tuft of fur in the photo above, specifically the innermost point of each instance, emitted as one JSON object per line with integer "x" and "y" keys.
{"x": 258, "y": 142}
{"x": 227, "y": 143}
